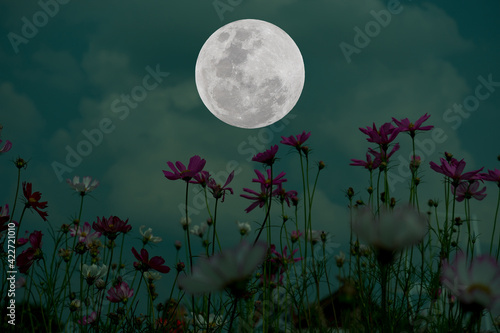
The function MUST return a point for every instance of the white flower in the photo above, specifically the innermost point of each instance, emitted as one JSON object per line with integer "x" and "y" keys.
{"x": 314, "y": 236}
{"x": 199, "y": 230}
{"x": 151, "y": 275}
{"x": 475, "y": 283}
{"x": 185, "y": 223}
{"x": 244, "y": 228}
{"x": 340, "y": 258}
{"x": 84, "y": 187}
{"x": 147, "y": 236}
{"x": 93, "y": 272}
{"x": 391, "y": 230}
{"x": 214, "y": 322}
{"x": 229, "y": 269}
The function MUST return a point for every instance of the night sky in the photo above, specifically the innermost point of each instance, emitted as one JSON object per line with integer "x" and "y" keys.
{"x": 365, "y": 62}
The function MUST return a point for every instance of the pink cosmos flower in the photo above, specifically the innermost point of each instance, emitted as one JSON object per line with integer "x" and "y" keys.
{"x": 33, "y": 200}
{"x": 111, "y": 227}
{"x": 145, "y": 264}
{"x": 383, "y": 136}
{"x": 283, "y": 195}
{"x": 88, "y": 320}
{"x": 259, "y": 198}
{"x": 391, "y": 230}
{"x": 295, "y": 235}
{"x": 467, "y": 190}
{"x": 267, "y": 157}
{"x": 454, "y": 170}
{"x": 296, "y": 141}
{"x": 31, "y": 254}
{"x": 202, "y": 178}
{"x": 404, "y": 125}
{"x": 492, "y": 176}
{"x": 85, "y": 234}
{"x": 229, "y": 269}
{"x": 120, "y": 293}
{"x": 84, "y": 187}
{"x": 6, "y": 147}
{"x": 475, "y": 283}
{"x": 368, "y": 164}
{"x": 383, "y": 157}
{"x": 266, "y": 182}
{"x": 219, "y": 191}
{"x": 283, "y": 259}
{"x": 196, "y": 165}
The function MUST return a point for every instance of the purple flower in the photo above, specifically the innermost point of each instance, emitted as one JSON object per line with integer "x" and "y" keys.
{"x": 201, "y": 178}
{"x": 196, "y": 165}
{"x": 368, "y": 164}
{"x": 383, "y": 157}
{"x": 492, "y": 176}
{"x": 34, "y": 253}
{"x": 267, "y": 182}
{"x": 467, "y": 190}
{"x": 268, "y": 157}
{"x": 383, "y": 136}
{"x": 120, "y": 293}
{"x": 145, "y": 264}
{"x": 454, "y": 169}
{"x": 259, "y": 198}
{"x": 219, "y": 191}
{"x": 6, "y": 147}
{"x": 296, "y": 141}
{"x": 404, "y": 125}
{"x": 111, "y": 227}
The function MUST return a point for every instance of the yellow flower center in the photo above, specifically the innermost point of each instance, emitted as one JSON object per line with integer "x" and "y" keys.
{"x": 32, "y": 200}
{"x": 479, "y": 287}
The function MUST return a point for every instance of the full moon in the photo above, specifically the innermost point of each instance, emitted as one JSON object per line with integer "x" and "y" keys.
{"x": 249, "y": 73}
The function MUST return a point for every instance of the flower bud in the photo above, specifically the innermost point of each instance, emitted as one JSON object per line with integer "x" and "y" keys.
{"x": 321, "y": 165}
{"x": 430, "y": 203}
{"x": 100, "y": 284}
{"x": 177, "y": 245}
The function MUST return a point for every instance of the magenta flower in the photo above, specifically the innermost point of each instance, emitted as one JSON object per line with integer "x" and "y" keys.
{"x": 454, "y": 170}
{"x": 259, "y": 198}
{"x": 266, "y": 182}
{"x": 383, "y": 136}
{"x": 492, "y": 176}
{"x": 6, "y": 147}
{"x": 196, "y": 165}
{"x": 202, "y": 178}
{"x": 145, "y": 264}
{"x": 404, "y": 125}
{"x": 219, "y": 191}
{"x": 476, "y": 283}
{"x": 33, "y": 200}
{"x": 111, "y": 227}
{"x": 120, "y": 293}
{"x": 88, "y": 320}
{"x": 296, "y": 141}
{"x": 283, "y": 259}
{"x": 467, "y": 190}
{"x": 295, "y": 235}
{"x": 368, "y": 164}
{"x": 268, "y": 157}
{"x": 383, "y": 157}
{"x": 283, "y": 195}
{"x": 31, "y": 254}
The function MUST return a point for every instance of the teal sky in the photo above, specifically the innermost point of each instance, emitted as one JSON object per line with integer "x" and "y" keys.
{"x": 61, "y": 79}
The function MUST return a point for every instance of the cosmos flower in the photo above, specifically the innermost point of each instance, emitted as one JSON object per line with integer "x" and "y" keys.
{"x": 33, "y": 200}
{"x": 93, "y": 272}
{"x": 111, "y": 227}
{"x": 6, "y": 147}
{"x": 492, "y": 176}
{"x": 283, "y": 259}
{"x": 383, "y": 157}
{"x": 390, "y": 230}
{"x": 267, "y": 182}
{"x": 259, "y": 199}
{"x": 314, "y": 236}
{"x": 85, "y": 234}
{"x": 199, "y": 230}
{"x": 476, "y": 283}
{"x": 295, "y": 235}
{"x": 296, "y": 141}
{"x": 382, "y": 136}
{"x": 283, "y": 195}
{"x": 454, "y": 169}
{"x": 404, "y": 125}
{"x": 120, "y": 293}
{"x": 219, "y": 191}
{"x": 196, "y": 165}
{"x": 214, "y": 322}
{"x": 267, "y": 157}
{"x": 368, "y": 164}
{"x": 147, "y": 236}
{"x": 201, "y": 178}
{"x": 229, "y": 269}
{"x": 31, "y": 254}
{"x": 84, "y": 187}
{"x": 88, "y": 320}
{"x": 467, "y": 190}
{"x": 244, "y": 228}
{"x": 340, "y": 259}
{"x": 145, "y": 264}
